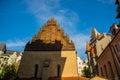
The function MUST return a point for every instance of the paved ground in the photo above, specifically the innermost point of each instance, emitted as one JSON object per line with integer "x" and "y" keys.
{"x": 98, "y": 78}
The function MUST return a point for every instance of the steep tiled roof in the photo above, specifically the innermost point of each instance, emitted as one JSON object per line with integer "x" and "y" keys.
{"x": 50, "y": 38}
{"x": 88, "y": 47}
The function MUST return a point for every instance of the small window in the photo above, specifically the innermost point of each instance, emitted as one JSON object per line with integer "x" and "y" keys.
{"x": 105, "y": 69}
{"x": 110, "y": 69}
{"x": 36, "y": 70}
{"x": 101, "y": 72}
{"x": 58, "y": 70}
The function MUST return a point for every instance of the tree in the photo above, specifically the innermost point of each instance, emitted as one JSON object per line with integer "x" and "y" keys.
{"x": 8, "y": 72}
{"x": 86, "y": 72}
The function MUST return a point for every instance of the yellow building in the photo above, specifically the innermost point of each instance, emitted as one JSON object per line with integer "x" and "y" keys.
{"x": 50, "y": 55}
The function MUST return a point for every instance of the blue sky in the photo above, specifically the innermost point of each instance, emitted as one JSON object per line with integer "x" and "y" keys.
{"x": 21, "y": 19}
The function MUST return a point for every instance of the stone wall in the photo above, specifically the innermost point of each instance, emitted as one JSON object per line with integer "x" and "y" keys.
{"x": 48, "y": 62}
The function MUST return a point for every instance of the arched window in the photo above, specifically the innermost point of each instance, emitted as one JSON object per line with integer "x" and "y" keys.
{"x": 36, "y": 70}
{"x": 111, "y": 70}
{"x": 102, "y": 72}
{"x": 105, "y": 69}
{"x": 58, "y": 70}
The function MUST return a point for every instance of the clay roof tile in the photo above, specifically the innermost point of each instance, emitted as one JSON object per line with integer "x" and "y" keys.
{"x": 88, "y": 47}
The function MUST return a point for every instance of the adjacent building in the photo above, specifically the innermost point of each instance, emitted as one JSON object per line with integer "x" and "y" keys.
{"x": 49, "y": 55}
{"x": 104, "y": 54}
{"x": 7, "y": 57}
{"x": 3, "y": 58}
{"x": 81, "y": 65}
{"x": 95, "y": 47}
{"x": 109, "y": 60}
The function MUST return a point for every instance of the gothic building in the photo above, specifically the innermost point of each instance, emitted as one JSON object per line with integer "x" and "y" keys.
{"x": 109, "y": 61}
{"x": 81, "y": 65}
{"x": 94, "y": 49}
{"x": 49, "y": 55}
{"x": 104, "y": 54}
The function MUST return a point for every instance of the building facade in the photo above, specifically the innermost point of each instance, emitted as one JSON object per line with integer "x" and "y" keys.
{"x": 94, "y": 49}
{"x": 81, "y": 64}
{"x": 106, "y": 63}
{"x": 3, "y": 62}
{"x": 109, "y": 61}
{"x": 50, "y": 55}
{"x": 7, "y": 57}
{"x": 3, "y": 58}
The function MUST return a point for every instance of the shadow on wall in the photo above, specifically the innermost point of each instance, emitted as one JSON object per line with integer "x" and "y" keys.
{"x": 40, "y": 45}
{"x": 41, "y": 61}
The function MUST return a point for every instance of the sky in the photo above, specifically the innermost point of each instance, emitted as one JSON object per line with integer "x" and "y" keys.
{"x": 21, "y": 19}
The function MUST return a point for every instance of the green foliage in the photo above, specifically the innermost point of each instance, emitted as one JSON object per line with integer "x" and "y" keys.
{"x": 8, "y": 72}
{"x": 86, "y": 72}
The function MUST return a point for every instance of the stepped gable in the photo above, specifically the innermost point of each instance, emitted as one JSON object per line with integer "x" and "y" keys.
{"x": 50, "y": 38}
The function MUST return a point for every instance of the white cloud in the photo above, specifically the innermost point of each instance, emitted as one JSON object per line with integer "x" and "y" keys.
{"x": 62, "y": 11}
{"x": 80, "y": 41}
{"x": 80, "y": 44}
{"x": 44, "y": 9}
{"x": 107, "y": 1}
{"x": 17, "y": 43}
{"x": 68, "y": 19}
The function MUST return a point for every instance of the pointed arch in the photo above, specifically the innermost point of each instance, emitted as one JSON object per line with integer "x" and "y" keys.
{"x": 36, "y": 70}
{"x": 58, "y": 70}
{"x": 105, "y": 69}
{"x": 111, "y": 70}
